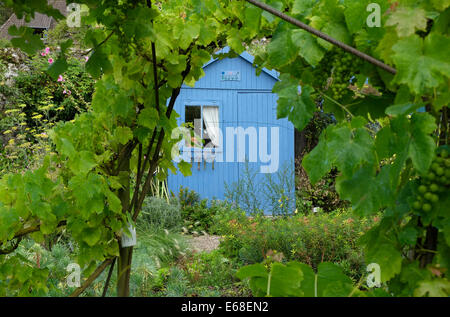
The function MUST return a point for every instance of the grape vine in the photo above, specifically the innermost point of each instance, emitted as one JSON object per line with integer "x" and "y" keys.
{"x": 391, "y": 157}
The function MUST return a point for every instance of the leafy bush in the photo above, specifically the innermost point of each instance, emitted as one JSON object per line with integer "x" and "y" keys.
{"x": 188, "y": 197}
{"x": 34, "y": 104}
{"x": 198, "y": 218}
{"x": 309, "y": 239}
{"x": 198, "y": 215}
{"x": 160, "y": 213}
{"x": 205, "y": 274}
{"x": 322, "y": 194}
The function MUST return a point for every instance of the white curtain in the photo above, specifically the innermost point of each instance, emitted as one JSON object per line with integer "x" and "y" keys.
{"x": 211, "y": 118}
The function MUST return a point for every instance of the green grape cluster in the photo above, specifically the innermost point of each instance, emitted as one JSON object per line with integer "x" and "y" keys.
{"x": 323, "y": 71}
{"x": 435, "y": 182}
{"x": 335, "y": 71}
{"x": 345, "y": 66}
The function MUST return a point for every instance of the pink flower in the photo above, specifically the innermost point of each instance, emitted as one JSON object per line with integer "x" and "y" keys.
{"x": 60, "y": 78}
{"x": 86, "y": 58}
{"x": 43, "y": 54}
{"x": 50, "y": 61}
{"x": 47, "y": 50}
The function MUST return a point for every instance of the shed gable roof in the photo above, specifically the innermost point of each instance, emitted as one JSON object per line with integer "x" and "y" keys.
{"x": 245, "y": 56}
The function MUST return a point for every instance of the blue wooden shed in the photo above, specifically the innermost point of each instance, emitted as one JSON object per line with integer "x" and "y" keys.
{"x": 234, "y": 112}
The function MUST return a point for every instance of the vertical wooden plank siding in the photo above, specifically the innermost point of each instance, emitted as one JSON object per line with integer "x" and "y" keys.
{"x": 245, "y": 103}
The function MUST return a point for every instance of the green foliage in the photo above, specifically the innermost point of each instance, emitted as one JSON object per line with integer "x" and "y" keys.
{"x": 188, "y": 197}
{"x": 159, "y": 213}
{"x": 203, "y": 274}
{"x": 297, "y": 279}
{"x": 35, "y": 104}
{"x": 198, "y": 218}
{"x": 378, "y": 170}
{"x": 331, "y": 237}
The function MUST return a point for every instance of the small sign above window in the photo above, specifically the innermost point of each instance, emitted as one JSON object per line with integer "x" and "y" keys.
{"x": 231, "y": 75}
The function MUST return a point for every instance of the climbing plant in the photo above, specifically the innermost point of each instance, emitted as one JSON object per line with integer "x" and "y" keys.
{"x": 85, "y": 185}
{"x": 390, "y": 142}
{"x": 144, "y": 52}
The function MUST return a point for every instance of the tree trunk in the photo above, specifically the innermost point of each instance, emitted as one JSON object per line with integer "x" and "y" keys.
{"x": 125, "y": 254}
{"x": 124, "y": 271}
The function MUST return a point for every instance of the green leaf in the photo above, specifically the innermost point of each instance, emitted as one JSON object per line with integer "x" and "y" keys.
{"x": 422, "y": 64}
{"x": 91, "y": 236}
{"x": 303, "y": 7}
{"x": 407, "y": 20}
{"x": 433, "y": 288}
{"x": 148, "y": 118}
{"x": 308, "y": 47}
{"x": 387, "y": 257}
{"x": 304, "y": 108}
{"x": 254, "y": 270}
{"x": 299, "y": 108}
{"x": 122, "y": 105}
{"x": 185, "y": 168}
{"x": 356, "y": 13}
{"x": 328, "y": 275}
{"x": 25, "y": 39}
{"x": 282, "y": 49}
{"x": 123, "y": 134}
{"x": 408, "y": 236}
{"x": 66, "y": 147}
{"x": 402, "y": 109}
{"x": 422, "y": 146}
{"x": 98, "y": 64}
{"x": 336, "y": 30}
{"x": 82, "y": 162}
{"x": 285, "y": 280}
{"x": 317, "y": 163}
{"x": 57, "y": 68}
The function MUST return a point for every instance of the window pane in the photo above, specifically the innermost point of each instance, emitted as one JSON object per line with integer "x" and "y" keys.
{"x": 211, "y": 125}
{"x": 193, "y": 117}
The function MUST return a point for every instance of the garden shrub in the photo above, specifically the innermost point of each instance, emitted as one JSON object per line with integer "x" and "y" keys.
{"x": 160, "y": 213}
{"x": 187, "y": 197}
{"x": 199, "y": 215}
{"x": 309, "y": 239}
{"x": 34, "y": 103}
{"x": 206, "y": 274}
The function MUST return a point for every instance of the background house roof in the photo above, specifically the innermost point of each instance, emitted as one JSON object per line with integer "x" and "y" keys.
{"x": 40, "y": 21}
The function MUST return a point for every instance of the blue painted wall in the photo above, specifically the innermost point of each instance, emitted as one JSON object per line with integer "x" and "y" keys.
{"x": 245, "y": 103}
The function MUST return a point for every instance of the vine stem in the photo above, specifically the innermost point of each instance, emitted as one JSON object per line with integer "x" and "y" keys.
{"x": 339, "y": 104}
{"x": 108, "y": 279}
{"x": 101, "y": 43}
{"x": 92, "y": 278}
{"x": 324, "y": 36}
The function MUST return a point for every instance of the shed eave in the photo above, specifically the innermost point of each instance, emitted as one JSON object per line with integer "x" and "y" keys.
{"x": 247, "y": 57}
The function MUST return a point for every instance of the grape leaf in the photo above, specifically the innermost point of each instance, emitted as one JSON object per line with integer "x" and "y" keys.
{"x": 422, "y": 64}
{"x": 407, "y": 20}
{"x": 57, "y": 68}
{"x": 433, "y": 288}
{"x": 308, "y": 47}
{"x": 387, "y": 257}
